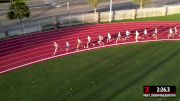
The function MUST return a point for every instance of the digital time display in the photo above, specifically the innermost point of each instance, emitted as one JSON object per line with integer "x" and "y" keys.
{"x": 159, "y": 91}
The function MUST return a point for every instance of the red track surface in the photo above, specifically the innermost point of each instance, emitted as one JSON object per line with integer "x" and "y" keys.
{"x": 25, "y": 50}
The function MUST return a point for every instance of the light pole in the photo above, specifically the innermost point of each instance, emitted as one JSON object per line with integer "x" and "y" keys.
{"x": 68, "y": 8}
{"x": 110, "y": 11}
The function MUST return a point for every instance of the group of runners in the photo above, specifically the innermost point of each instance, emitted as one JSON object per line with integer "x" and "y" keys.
{"x": 172, "y": 33}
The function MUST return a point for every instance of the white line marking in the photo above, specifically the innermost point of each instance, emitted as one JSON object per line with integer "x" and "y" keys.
{"x": 86, "y": 50}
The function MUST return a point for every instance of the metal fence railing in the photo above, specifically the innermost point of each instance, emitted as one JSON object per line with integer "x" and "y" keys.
{"x": 13, "y": 28}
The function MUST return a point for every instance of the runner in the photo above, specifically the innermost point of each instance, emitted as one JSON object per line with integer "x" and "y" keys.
{"x": 88, "y": 41}
{"x": 155, "y": 34}
{"x": 56, "y": 46}
{"x": 128, "y": 35}
{"x": 108, "y": 37}
{"x": 171, "y": 34}
{"x": 137, "y": 36}
{"x": 67, "y": 46}
{"x": 118, "y": 37}
{"x": 100, "y": 40}
{"x": 79, "y": 43}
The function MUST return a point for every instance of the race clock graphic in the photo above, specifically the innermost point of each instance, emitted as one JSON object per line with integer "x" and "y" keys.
{"x": 159, "y": 91}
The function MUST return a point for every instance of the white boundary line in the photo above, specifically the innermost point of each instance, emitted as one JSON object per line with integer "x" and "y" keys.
{"x": 85, "y": 50}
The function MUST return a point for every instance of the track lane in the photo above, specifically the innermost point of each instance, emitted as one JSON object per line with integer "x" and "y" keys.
{"x": 45, "y": 50}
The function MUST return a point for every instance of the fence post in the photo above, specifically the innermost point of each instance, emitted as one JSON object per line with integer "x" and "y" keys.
{"x": 6, "y": 34}
{"x": 173, "y": 10}
{"x": 121, "y": 15}
{"x": 39, "y": 24}
{"x": 98, "y": 17}
{"x": 144, "y": 13}
{"x": 23, "y": 27}
{"x": 95, "y": 17}
{"x": 69, "y": 20}
{"x": 83, "y": 18}
{"x": 134, "y": 11}
{"x": 54, "y": 19}
{"x": 166, "y": 9}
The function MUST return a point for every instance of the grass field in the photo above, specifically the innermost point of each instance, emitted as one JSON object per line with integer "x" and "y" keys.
{"x": 111, "y": 74}
{"x": 175, "y": 17}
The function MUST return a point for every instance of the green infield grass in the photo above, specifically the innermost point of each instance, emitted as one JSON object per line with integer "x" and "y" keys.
{"x": 109, "y": 74}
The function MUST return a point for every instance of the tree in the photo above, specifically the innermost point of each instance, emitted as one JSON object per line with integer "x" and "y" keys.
{"x": 142, "y": 3}
{"x": 18, "y": 10}
{"x": 94, "y": 4}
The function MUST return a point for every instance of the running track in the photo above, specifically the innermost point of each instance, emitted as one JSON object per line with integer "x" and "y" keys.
{"x": 22, "y": 51}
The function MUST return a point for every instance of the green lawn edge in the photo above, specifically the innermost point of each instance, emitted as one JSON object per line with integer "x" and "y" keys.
{"x": 175, "y": 17}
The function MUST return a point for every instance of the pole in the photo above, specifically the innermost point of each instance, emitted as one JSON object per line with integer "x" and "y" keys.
{"x": 83, "y": 18}
{"x": 110, "y": 11}
{"x": 68, "y": 8}
{"x": 23, "y": 27}
{"x": 141, "y": 4}
{"x": 39, "y": 25}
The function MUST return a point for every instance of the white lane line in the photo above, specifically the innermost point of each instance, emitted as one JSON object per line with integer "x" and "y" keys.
{"x": 138, "y": 26}
{"x": 85, "y": 50}
{"x": 47, "y": 36}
